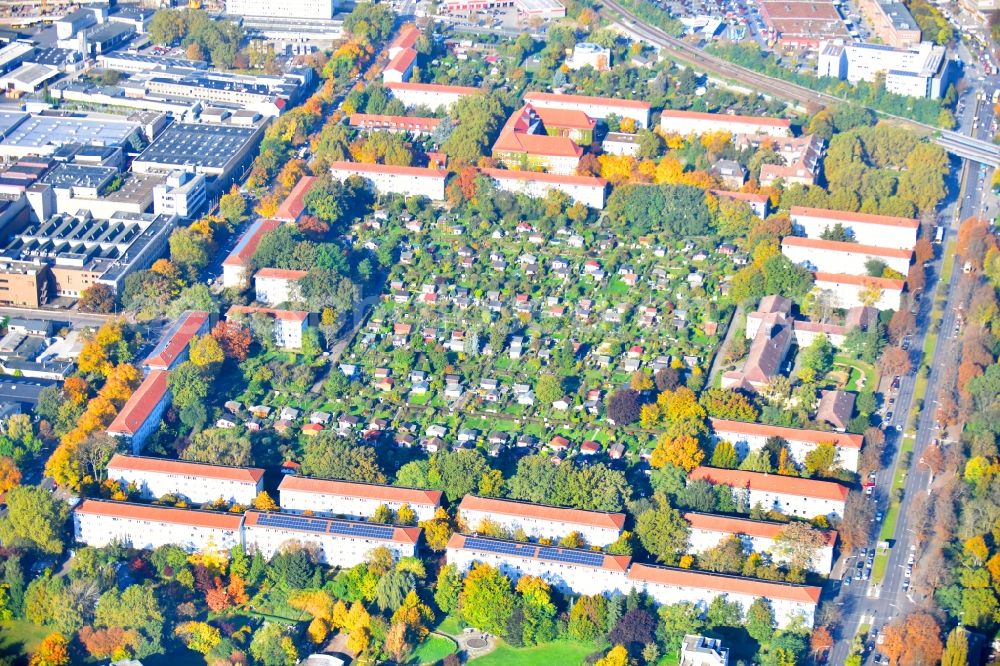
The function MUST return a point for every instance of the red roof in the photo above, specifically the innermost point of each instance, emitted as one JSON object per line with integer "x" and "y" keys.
{"x": 772, "y": 483}
{"x": 280, "y": 274}
{"x": 711, "y": 522}
{"x": 861, "y": 280}
{"x": 843, "y": 440}
{"x": 183, "y": 467}
{"x": 373, "y": 491}
{"x": 142, "y": 403}
{"x": 529, "y": 551}
{"x": 432, "y": 88}
{"x": 293, "y": 206}
{"x": 864, "y": 218}
{"x": 388, "y": 169}
{"x": 402, "y": 62}
{"x": 243, "y": 252}
{"x": 407, "y": 38}
{"x": 378, "y": 121}
{"x": 179, "y": 336}
{"x": 840, "y": 246}
{"x": 584, "y": 99}
{"x": 733, "y": 118}
{"x": 568, "y": 118}
{"x": 542, "y": 177}
{"x": 615, "y": 521}
{"x": 408, "y": 535}
{"x": 284, "y": 315}
{"x": 514, "y": 137}
{"x": 161, "y": 514}
{"x": 647, "y": 573}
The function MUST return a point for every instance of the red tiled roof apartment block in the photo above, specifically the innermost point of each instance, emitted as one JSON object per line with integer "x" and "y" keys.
{"x": 172, "y": 349}
{"x": 567, "y": 569}
{"x": 289, "y": 325}
{"x": 852, "y": 291}
{"x": 790, "y": 495}
{"x": 748, "y": 437}
{"x": 686, "y": 123}
{"x": 525, "y": 142}
{"x": 343, "y": 543}
{"x": 875, "y": 230}
{"x": 387, "y": 179}
{"x": 100, "y": 522}
{"x": 234, "y": 266}
{"x": 838, "y": 257}
{"x": 409, "y": 124}
{"x": 406, "y": 39}
{"x": 803, "y": 23}
{"x": 434, "y": 96}
{"x": 583, "y": 189}
{"x": 759, "y": 203}
{"x": 598, "y": 528}
{"x": 667, "y": 585}
{"x": 140, "y": 416}
{"x": 351, "y": 499}
{"x": 273, "y": 286}
{"x": 195, "y": 482}
{"x": 708, "y": 530}
{"x": 400, "y": 67}
{"x": 294, "y": 205}
{"x": 595, "y": 107}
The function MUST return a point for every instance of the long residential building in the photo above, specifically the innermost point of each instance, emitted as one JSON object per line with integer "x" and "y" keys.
{"x": 195, "y": 482}
{"x": 877, "y": 230}
{"x": 790, "y": 495}
{"x": 140, "y": 416}
{"x": 430, "y": 95}
{"x": 408, "y": 124}
{"x": 331, "y": 497}
{"x": 598, "y": 528}
{"x": 668, "y": 585}
{"x": 838, "y": 257}
{"x": 746, "y": 437}
{"x": 144, "y": 526}
{"x": 595, "y": 107}
{"x": 583, "y": 189}
{"x": 388, "y": 179}
{"x": 234, "y": 267}
{"x": 340, "y": 543}
{"x": 686, "y": 123}
{"x": 567, "y": 569}
{"x": 852, "y": 291}
{"x": 172, "y": 349}
{"x": 708, "y": 530}
{"x": 274, "y": 286}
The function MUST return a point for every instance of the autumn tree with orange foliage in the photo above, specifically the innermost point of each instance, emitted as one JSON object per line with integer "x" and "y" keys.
{"x": 234, "y": 339}
{"x": 109, "y": 642}
{"x": 895, "y": 361}
{"x": 975, "y": 240}
{"x": 52, "y": 651}
{"x": 913, "y": 641}
{"x": 10, "y": 475}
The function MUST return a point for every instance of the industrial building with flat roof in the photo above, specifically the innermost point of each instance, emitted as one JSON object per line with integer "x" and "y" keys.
{"x": 923, "y": 70}
{"x": 803, "y": 23}
{"x": 26, "y": 134}
{"x": 220, "y": 152}
{"x": 81, "y": 251}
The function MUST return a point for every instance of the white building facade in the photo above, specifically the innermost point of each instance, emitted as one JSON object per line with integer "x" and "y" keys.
{"x": 183, "y": 195}
{"x": 922, "y": 70}
{"x": 300, "y": 9}
{"x": 273, "y": 286}
{"x": 747, "y": 437}
{"x": 337, "y": 542}
{"x": 386, "y": 179}
{"x": 584, "y": 189}
{"x": 329, "y": 497}
{"x": 875, "y": 230}
{"x": 686, "y": 123}
{"x": 234, "y": 267}
{"x": 431, "y": 95}
{"x": 99, "y": 523}
{"x": 598, "y": 528}
{"x": 606, "y": 575}
{"x": 837, "y": 257}
{"x": 289, "y": 325}
{"x": 790, "y": 495}
{"x": 851, "y": 291}
{"x": 195, "y": 482}
{"x": 709, "y": 530}
{"x": 667, "y": 585}
{"x": 140, "y": 416}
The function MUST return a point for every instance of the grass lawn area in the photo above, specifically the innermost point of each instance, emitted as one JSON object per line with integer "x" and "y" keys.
{"x": 898, "y": 481}
{"x": 450, "y": 625}
{"x": 671, "y": 659}
{"x": 557, "y": 652}
{"x": 880, "y": 565}
{"x": 18, "y": 638}
{"x": 858, "y": 368}
{"x": 435, "y": 648}
{"x": 889, "y": 522}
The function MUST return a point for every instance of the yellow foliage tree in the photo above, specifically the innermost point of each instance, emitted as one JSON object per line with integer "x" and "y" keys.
{"x": 263, "y": 502}
{"x": 317, "y": 631}
{"x": 682, "y": 451}
{"x": 122, "y": 381}
{"x": 616, "y": 656}
{"x": 617, "y": 169}
{"x": 95, "y": 357}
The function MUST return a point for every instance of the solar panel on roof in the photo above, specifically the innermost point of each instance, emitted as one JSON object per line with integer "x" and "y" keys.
{"x": 572, "y": 556}
{"x": 323, "y": 526}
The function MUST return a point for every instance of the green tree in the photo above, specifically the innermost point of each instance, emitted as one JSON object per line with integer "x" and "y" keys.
{"x": 458, "y": 473}
{"x": 447, "y": 588}
{"x": 233, "y": 206}
{"x": 724, "y": 455}
{"x": 271, "y": 646}
{"x": 588, "y": 618}
{"x": 34, "y": 518}
{"x": 480, "y": 117}
{"x": 487, "y": 601}
{"x": 329, "y": 455}
{"x": 760, "y": 620}
{"x": 956, "y": 649}
{"x": 822, "y": 460}
{"x": 676, "y": 620}
{"x": 818, "y": 356}
{"x": 548, "y": 388}
{"x": 662, "y": 531}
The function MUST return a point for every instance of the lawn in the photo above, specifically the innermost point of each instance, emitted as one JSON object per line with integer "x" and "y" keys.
{"x": 880, "y": 565}
{"x": 858, "y": 368}
{"x": 450, "y": 625}
{"x": 18, "y": 638}
{"x": 557, "y": 652}
{"x": 434, "y": 649}
{"x": 671, "y": 659}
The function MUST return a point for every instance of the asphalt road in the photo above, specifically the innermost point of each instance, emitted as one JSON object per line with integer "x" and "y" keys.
{"x": 862, "y": 603}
